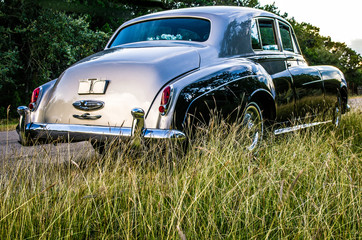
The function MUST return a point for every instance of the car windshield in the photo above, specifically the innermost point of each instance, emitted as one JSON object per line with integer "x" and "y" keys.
{"x": 184, "y": 29}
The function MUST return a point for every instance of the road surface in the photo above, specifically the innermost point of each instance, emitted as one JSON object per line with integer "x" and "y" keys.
{"x": 11, "y": 149}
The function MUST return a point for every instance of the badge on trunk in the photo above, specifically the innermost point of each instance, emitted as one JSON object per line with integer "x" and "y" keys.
{"x": 88, "y": 105}
{"x": 92, "y": 86}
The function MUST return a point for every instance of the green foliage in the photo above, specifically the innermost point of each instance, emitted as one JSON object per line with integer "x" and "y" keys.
{"x": 320, "y": 50}
{"x": 37, "y": 45}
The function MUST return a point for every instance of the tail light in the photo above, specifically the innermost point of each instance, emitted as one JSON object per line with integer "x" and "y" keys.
{"x": 165, "y": 100}
{"x": 34, "y": 98}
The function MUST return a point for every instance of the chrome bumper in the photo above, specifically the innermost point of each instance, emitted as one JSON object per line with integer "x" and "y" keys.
{"x": 32, "y": 132}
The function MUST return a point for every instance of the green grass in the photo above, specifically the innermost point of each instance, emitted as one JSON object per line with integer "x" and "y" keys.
{"x": 303, "y": 185}
{"x": 8, "y": 125}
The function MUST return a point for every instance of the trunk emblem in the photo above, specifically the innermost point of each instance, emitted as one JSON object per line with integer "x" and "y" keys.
{"x": 92, "y": 86}
{"x": 88, "y": 105}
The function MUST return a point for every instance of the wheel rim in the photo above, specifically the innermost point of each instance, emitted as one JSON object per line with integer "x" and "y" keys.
{"x": 252, "y": 121}
{"x": 337, "y": 113}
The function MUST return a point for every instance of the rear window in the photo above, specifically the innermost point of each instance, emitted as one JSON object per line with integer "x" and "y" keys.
{"x": 181, "y": 29}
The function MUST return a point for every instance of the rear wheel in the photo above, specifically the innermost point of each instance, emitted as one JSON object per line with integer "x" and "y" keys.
{"x": 99, "y": 147}
{"x": 254, "y": 127}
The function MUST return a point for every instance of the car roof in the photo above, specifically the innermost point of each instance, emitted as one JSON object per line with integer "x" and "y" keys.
{"x": 221, "y": 12}
{"x": 229, "y": 33}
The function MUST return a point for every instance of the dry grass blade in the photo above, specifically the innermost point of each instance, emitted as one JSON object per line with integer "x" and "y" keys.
{"x": 180, "y": 233}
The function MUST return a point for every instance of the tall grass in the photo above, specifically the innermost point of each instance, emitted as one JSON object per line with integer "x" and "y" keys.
{"x": 303, "y": 185}
{"x": 8, "y": 124}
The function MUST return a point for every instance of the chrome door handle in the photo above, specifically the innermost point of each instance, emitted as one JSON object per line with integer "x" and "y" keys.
{"x": 87, "y": 116}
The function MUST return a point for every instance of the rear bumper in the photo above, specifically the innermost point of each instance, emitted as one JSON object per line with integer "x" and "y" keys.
{"x": 47, "y": 132}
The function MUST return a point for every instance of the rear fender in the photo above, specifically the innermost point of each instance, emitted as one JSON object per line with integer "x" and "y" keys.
{"x": 37, "y": 114}
{"x": 334, "y": 85}
{"x": 226, "y": 91}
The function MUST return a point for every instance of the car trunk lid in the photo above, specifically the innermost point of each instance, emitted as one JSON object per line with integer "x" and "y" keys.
{"x": 131, "y": 77}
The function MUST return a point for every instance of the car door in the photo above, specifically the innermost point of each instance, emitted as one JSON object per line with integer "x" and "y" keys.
{"x": 269, "y": 54}
{"x": 307, "y": 81}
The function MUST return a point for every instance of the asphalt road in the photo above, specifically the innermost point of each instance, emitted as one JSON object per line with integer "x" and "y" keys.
{"x": 11, "y": 149}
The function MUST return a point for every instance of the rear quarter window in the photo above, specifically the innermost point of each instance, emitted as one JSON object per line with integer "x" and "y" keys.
{"x": 263, "y": 35}
{"x": 286, "y": 37}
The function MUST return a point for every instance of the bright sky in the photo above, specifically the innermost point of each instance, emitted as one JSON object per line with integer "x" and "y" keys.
{"x": 341, "y": 20}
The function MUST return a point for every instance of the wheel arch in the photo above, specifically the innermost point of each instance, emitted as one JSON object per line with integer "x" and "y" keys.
{"x": 266, "y": 102}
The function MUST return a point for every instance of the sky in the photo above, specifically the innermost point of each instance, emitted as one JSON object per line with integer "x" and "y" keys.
{"x": 342, "y": 22}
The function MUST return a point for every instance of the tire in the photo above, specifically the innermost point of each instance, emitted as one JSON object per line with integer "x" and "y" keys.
{"x": 253, "y": 123}
{"x": 337, "y": 112}
{"x": 99, "y": 147}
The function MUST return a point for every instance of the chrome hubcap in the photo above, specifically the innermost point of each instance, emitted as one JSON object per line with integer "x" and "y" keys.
{"x": 337, "y": 113}
{"x": 253, "y": 122}
{"x": 336, "y": 122}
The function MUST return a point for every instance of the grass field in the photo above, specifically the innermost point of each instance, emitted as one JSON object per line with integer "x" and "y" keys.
{"x": 303, "y": 185}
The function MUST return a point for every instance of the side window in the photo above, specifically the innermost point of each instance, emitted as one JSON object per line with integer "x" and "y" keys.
{"x": 255, "y": 38}
{"x": 286, "y": 36}
{"x": 267, "y": 34}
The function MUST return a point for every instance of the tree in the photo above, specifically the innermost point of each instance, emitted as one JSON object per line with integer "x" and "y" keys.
{"x": 320, "y": 50}
{"x": 37, "y": 45}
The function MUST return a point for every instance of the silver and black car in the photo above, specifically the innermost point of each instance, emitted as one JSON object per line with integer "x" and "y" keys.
{"x": 160, "y": 70}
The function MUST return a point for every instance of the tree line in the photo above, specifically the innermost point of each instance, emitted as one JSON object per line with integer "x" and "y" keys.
{"x": 40, "y": 39}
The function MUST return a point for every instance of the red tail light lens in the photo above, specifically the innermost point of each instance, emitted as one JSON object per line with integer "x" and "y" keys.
{"x": 165, "y": 99}
{"x": 34, "y": 98}
{"x": 166, "y": 95}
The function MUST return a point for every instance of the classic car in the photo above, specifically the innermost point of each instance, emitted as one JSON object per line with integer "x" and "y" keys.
{"x": 160, "y": 70}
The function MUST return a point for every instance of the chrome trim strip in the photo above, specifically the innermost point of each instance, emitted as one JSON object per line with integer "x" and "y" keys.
{"x": 312, "y": 82}
{"x": 298, "y": 127}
